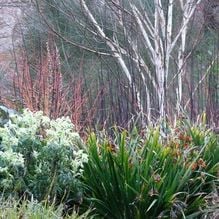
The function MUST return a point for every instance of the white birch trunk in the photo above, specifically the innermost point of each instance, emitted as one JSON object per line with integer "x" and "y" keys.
{"x": 115, "y": 51}
{"x": 188, "y": 9}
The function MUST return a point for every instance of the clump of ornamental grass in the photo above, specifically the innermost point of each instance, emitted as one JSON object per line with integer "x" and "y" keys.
{"x": 33, "y": 209}
{"x": 149, "y": 175}
{"x": 41, "y": 158}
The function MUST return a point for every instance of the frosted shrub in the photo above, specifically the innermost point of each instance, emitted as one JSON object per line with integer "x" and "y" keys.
{"x": 41, "y": 157}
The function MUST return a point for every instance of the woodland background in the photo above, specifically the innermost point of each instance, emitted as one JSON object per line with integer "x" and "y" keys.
{"x": 107, "y": 62}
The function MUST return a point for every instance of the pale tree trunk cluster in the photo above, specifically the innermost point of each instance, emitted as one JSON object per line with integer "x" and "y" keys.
{"x": 161, "y": 36}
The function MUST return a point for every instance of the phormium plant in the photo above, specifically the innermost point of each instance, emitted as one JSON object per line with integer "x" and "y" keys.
{"x": 152, "y": 177}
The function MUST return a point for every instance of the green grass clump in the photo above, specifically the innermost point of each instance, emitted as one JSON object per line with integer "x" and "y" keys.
{"x": 13, "y": 209}
{"x": 152, "y": 176}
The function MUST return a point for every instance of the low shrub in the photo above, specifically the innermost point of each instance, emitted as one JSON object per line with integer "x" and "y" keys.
{"x": 153, "y": 176}
{"x": 40, "y": 157}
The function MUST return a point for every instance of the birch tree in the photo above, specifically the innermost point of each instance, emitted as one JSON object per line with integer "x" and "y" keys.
{"x": 158, "y": 43}
{"x": 160, "y": 36}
